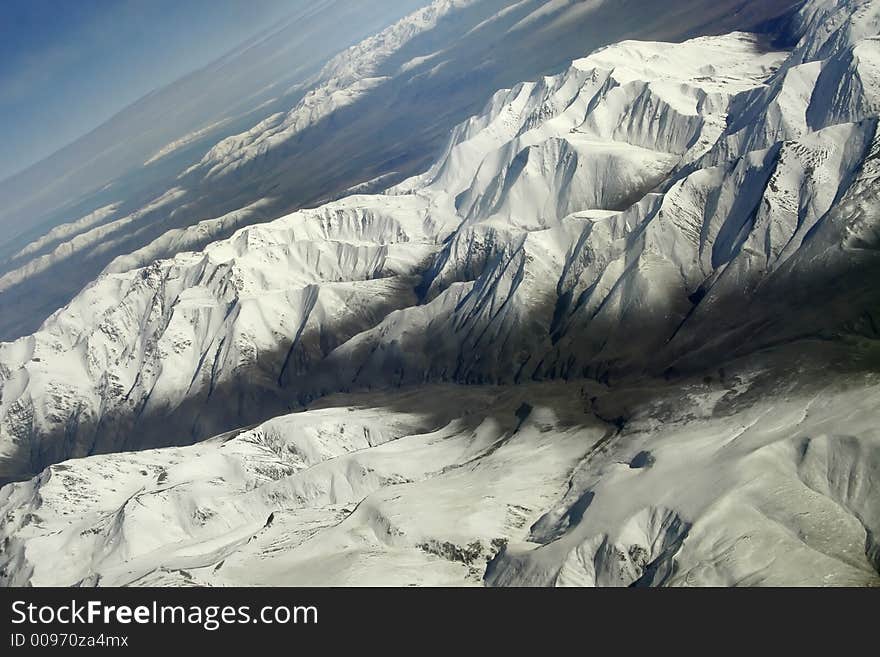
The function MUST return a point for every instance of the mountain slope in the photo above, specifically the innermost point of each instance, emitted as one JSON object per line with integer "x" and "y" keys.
{"x": 212, "y": 340}
{"x": 703, "y": 484}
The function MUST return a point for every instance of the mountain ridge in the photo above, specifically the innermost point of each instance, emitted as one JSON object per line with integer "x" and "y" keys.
{"x": 370, "y": 114}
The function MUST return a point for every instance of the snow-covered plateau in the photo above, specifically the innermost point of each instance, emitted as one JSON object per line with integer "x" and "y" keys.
{"x": 623, "y": 331}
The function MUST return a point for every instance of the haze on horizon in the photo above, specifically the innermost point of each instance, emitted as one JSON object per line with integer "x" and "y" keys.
{"x": 67, "y": 67}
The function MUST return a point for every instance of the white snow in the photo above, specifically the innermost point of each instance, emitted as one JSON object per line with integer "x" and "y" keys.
{"x": 751, "y": 481}
{"x": 707, "y": 207}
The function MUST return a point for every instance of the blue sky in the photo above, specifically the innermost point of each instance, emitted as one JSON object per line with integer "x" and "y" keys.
{"x": 66, "y": 66}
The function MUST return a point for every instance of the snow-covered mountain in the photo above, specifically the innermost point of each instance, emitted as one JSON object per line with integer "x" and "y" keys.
{"x": 295, "y": 118}
{"x": 622, "y": 331}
